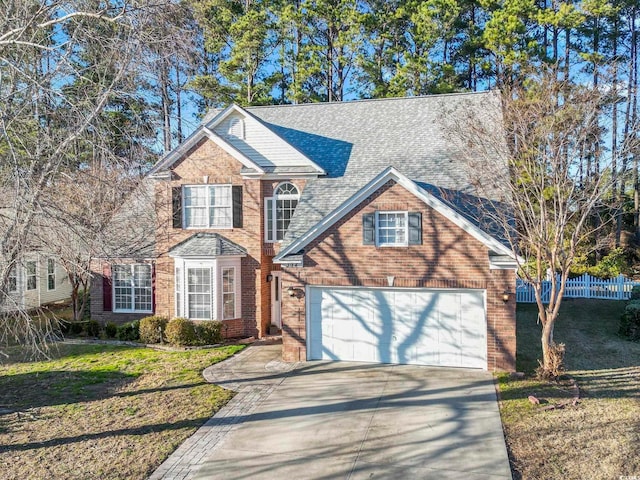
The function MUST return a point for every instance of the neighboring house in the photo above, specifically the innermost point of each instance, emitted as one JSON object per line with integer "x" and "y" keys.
{"x": 351, "y": 226}
{"x": 36, "y": 280}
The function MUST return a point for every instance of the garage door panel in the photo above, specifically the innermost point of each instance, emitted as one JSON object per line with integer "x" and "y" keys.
{"x": 415, "y": 326}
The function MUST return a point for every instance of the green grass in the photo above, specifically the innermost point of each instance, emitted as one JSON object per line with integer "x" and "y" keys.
{"x": 599, "y": 438}
{"x": 103, "y": 411}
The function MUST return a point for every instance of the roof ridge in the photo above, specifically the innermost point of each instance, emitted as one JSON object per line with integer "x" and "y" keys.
{"x": 371, "y": 100}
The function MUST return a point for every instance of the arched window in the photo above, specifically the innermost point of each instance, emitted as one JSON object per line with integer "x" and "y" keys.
{"x": 279, "y": 210}
{"x": 236, "y": 128}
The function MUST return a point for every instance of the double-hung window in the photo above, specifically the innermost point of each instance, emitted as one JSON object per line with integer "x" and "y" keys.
{"x": 13, "y": 280}
{"x": 278, "y": 211}
{"x": 208, "y": 206}
{"x": 132, "y": 288}
{"x": 391, "y": 228}
{"x": 51, "y": 274}
{"x": 32, "y": 275}
{"x": 199, "y": 293}
{"x": 228, "y": 293}
{"x": 207, "y": 289}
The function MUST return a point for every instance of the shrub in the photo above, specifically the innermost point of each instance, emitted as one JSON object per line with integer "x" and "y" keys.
{"x": 92, "y": 328}
{"x": 152, "y": 329}
{"x": 129, "y": 331}
{"x": 75, "y": 328}
{"x": 635, "y": 293}
{"x": 180, "y": 331}
{"x": 208, "y": 332}
{"x": 630, "y": 321}
{"x": 110, "y": 329}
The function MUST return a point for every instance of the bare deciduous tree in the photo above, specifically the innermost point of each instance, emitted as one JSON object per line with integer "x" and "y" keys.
{"x": 64, "y": 64}
{"x": 548, "y": 208}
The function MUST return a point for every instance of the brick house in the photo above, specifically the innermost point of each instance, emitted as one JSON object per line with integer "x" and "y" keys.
{"x": 352, "y": 227}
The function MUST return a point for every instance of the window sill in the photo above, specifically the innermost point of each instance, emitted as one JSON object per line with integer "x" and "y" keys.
{"x": 132, "y": 311}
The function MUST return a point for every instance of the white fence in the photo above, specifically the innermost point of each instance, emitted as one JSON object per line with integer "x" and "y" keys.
{"x": 586, "y": 286}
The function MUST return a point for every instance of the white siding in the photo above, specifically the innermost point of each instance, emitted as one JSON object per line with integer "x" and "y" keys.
{"x": 63, "y": 286}
{"x": 260, "y": 144}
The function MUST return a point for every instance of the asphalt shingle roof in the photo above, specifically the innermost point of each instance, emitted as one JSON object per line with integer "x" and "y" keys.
{"x": 206, "y": 245}
{"x": 355, "y": 141}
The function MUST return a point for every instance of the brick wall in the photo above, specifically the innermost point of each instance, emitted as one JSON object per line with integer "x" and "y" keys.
{"x": 97, "y": 294}
{"x": 447, "y": 258}
{"x": 206, "y": 162}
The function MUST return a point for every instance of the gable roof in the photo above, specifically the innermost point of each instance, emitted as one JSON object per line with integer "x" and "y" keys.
{"x": 391, "y": 174}
{"x": 259, "y": 149}
{"x": 355, "y": 141}
{"x": 207, "y": 245}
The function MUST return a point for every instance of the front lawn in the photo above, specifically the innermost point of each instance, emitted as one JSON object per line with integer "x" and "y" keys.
{"x": 103, "y": 411}
{"x": 600, "y": 437}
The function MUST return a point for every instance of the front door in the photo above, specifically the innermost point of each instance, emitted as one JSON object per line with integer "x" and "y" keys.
{"x": 276, "y": 300}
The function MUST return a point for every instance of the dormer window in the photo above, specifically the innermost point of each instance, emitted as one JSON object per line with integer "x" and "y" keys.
{"x": 278, "y": 211}
{"x": 236, "y": 128}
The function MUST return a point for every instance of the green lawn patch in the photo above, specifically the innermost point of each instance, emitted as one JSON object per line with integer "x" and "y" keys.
{"x": 600, "y": 437}
{"x": 103, "y": 411}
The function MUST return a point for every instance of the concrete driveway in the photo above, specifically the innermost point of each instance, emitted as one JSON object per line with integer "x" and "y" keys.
{"x": 330, "y": 420}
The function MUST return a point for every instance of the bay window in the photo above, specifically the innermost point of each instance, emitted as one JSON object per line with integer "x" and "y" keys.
{"x": 207, "y": 289}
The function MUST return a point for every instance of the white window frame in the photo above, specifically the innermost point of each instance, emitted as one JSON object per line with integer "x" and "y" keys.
{"x": 34, "y": 275}
{"x": 51, "y": 274}
{"x": 379, "y": 243}
{"x": 271, "y": 206}
{"x": 132, "y": 286}
{"x": 216, "y": 266}
{"x": 12, "y": 280}
{"x": 223, "y": 292}
{"x": 207, "y": 207}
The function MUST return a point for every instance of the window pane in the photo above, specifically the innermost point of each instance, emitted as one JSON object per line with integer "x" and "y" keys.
{"x": 199, "y": 293}
{"x": 392, "y": 228}
{"x": 228, "y": 293}
{"x": 142, "y": 292}
{"x": 51, "y": 265}
{"x": 269, "y": 219}
{"x": 32, "y": 279}
{"x": 13, "y": 280}
{"x": 220, "y": 206}
{"x": 178, "y": 284}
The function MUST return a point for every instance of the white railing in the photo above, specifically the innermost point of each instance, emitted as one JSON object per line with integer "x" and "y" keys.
{"x": 586, "y": 286}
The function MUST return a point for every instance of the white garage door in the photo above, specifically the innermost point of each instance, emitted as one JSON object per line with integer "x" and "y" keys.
{"x": 409, "y": 326}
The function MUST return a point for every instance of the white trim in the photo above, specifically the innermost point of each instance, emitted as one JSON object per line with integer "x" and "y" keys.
{"x": 231, "y": 150}
{"x": 390, "y": 173}
{"x": 256, "y": 121}
{"x": 482, "y": 291}
{"x": 206, "y": 131}
{"x": 55, "y": 276}
{"x": 27, "y": 275}
{"x": 215, "y": 265}
{"x": 208, "y": 206}
{"x": 235, "y": 291}
{"x": 274, "y": 211}
{"x": 280, "y": 176}
{"x": 133, "y": 288}
{"x": 406, "y": 228}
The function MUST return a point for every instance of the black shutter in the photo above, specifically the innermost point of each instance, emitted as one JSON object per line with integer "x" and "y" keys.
{"x": 415, "y": 228}
{"x": 176, "y": 202}
{"x": 369, "y": 229}
{"x": 107, "y": 304}
{"x": 236, "y": 191}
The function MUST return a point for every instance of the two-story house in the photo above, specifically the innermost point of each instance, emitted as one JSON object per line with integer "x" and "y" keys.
{"x": 351, "y": 226}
